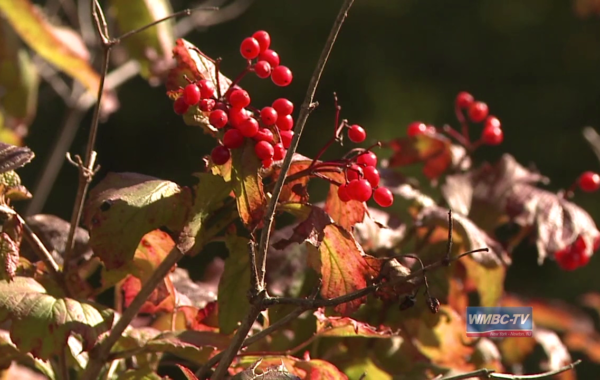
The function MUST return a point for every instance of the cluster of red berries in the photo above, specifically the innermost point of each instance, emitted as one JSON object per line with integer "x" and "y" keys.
{"x": 574, "y": 256}
{"x": 270, "y": 128}
{"x": 362, "y": 179}
{"x": 478, "y": 112}
{"x": 589, "y": 181}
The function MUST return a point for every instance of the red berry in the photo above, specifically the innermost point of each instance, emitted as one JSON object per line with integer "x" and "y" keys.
{"x": 416, "y": 128}
{"x": 233, "y": 139}
{"x": 371, "y": 174}
{"x": 283, "y": 106}
{"x": 207, "y": 89}
{"x": 267, "y": 163}
{"x": 264, "y": 150}
{"x": 268, "y": 116}
{"x": 191, "y": 94}
{"x": 343, "y": 193}
{"x": 264, "y": 134}
{"x": 579, "y": 244}
{"x": 281, "y": 76}
{"x": 367, "y": 159}
{"x": 180, "y": 106}
{"x": 262, "y": 69}
{"x": 285, "y": 123}
{"x": 356, "y": 133}
{"x": 478, "y": 111}
{"x": 492, "y": 135}
{"x": 354, "y": 172}
{"x": 270, "y": 56}
{"x": 237, "y": 117}
{"x": 220, "y": 155}
{"x": 492, "y": 121}
{"x": 566, "y": 260}
{"x": 286, "y": 138}
{"x": 589, "y": 181}
{"x": 279, "y": 152}
{"x": 464, "y": 100}
{"x": 383, "y": 197}
{"x": 206, "y": 105}
{"x": 249, "y": 127}
{"x": 360, "y": 190}
{"x": 218, "y": 118}
{"x": 239, "y": 98}
{"x": 250, "y": 48}
{"x": 263, "y": 38}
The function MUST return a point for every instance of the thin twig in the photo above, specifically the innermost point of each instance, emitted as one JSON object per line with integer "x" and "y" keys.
{"x": 307, "y": 106}
{"x": 100, "y": 353}
{"x": 490, "y": 374}
{"x": 39, "y": 248}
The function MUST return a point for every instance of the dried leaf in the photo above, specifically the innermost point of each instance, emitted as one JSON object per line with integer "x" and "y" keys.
{"x": 434, "y": 150}
{"x": 289, "y": 365}
{"x": 234, "y": 285}
{"x": 311, "y": 229}
{"x": 41, "y": 323}
{"x": 286, "y": 268}
{"x": 248, "y": 186}
{"x": 379, "y": 231}
{"x": 9, "y": 257}
{"x": 13, "y": 157}
{"x": 328, "y": 326}
{"x": 124, "y": 207}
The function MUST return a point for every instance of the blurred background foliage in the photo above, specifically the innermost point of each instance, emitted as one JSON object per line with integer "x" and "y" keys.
{"x": 536, "y": 63}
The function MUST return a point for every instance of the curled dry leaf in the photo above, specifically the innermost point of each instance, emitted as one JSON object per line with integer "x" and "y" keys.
{"x": 508, "y": 189}
{"x": 557, "y": 354}
{"x": 289, "y": 367}
{"x": 329, "y": 326}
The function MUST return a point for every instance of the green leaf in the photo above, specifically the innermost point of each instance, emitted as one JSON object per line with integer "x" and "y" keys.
{"x": 366, "y": 366}
{"x": 234, "y": 285}
{"x": 247, "y": 185}
{"x": 9, "y": 353}
{"x": 18, "y": 78}
{"x": 150, "y": 47}
{"x": 124, "y": 207}
{"x": 46, "y": 41}
{"x": 42, "y": 323}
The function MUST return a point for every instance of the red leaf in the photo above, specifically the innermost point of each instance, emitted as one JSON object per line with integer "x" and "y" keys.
{"x": 432, "y": 149}
{"x": 160, "y": 300}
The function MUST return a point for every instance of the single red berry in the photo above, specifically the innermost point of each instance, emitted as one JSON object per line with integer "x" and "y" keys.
{"x": 264, "y": 134}
{"x": 492, "y": 135}
{"x": 478, "y": 111}
{"x": 206, "y": 105}
{"x": 263, "y": 38}
{"x": 249, "y": 127}
{"x": 343, "y": 193}
{"x": 262, "y": 69}
{"x": 286, "y": 138}
{"x": 268, "y": 116}
{"x": 207, "y": 89}
{"x": 492, "y": 121}
{"x": 218, "y": 118}
{"x": 191, "y": 94}
{"x": 416, "y": 128}
{"x": 270, "y": 56}
{"x": 383, "y": 197}
{"x": 250, "y": 48}
{"x": 579, "y": 244}
{"x": 354, "y": 172}
{"x": 281, "y": 76}
{"x": 285, "y": 123}
{"x": 279, "y": 152}
{"x": 233, "y": 139}
{"x": 267, "y": 163}
{"x": 239, "y": 98}
{"x": 360, "y": 190}
{"x": 371, "y": 174}
{"x": 180, "y": 106}
{"x": 220, "y": 155}
{"x": 356, "y": 133}
{"x": 464, "y": 100}
{"x": 283, "y": 106}
{"x": 237, "y": 117}
{"x": 367, "y": 159}
{"x": 566, "y": 260}
{"x": 589, "y": 181}
{"x": 264, "y": 150}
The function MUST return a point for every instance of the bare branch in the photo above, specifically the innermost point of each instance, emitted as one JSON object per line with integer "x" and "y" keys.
{"x": 490, "y": 374}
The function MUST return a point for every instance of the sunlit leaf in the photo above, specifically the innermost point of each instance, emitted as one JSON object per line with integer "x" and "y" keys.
{"x": 41, "y": 323}
{"x": 234, "y": 285}
{"x": 247, "y": 185}
{"x": 288, "y": 365}
{"x": 47, "y": 41}
{"x": 329, "y": 326}
{"x": 11, "y": 158}
{"x": 151, "y": 47}
{"x": 379, "y": 231}
{"x": 367, "y": 367}
{"x": 292, "y": 191}
{"x": 346, "y": 214}
{"x": 124, "y": 207}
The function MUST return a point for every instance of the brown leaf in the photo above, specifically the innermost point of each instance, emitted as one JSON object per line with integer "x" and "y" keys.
{"x": 311, "y": 229}
{"x": 434, "y": 150}
{"x": 289, "y": 192}
{"x": 9, "y": 257}
{"x": 248, "y": 185}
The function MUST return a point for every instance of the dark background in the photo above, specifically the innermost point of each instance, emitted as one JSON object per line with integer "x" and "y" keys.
{"x": 536, "y": 63}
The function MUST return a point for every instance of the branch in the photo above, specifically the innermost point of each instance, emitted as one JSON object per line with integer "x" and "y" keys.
{"x": 39, "y": 248}
{"x": 490, "y": 374}
{"x": 307, "y": 106}
{"x": 100, "y": 353}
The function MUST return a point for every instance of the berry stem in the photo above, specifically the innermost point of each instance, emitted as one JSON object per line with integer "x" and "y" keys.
{"x": 333, "y": 139}
{"x": 458, "y": 137}
{"x": 357, "y": 151}
{"x": 460, "y": 116}
{"x": 217, "y": 72}
{"x": 238, "y": 79}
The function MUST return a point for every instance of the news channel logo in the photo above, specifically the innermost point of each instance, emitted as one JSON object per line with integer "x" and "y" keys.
{"x": 500, "y": 322}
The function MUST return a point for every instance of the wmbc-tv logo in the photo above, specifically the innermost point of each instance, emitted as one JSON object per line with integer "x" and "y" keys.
{"x": 499, "y": 321}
